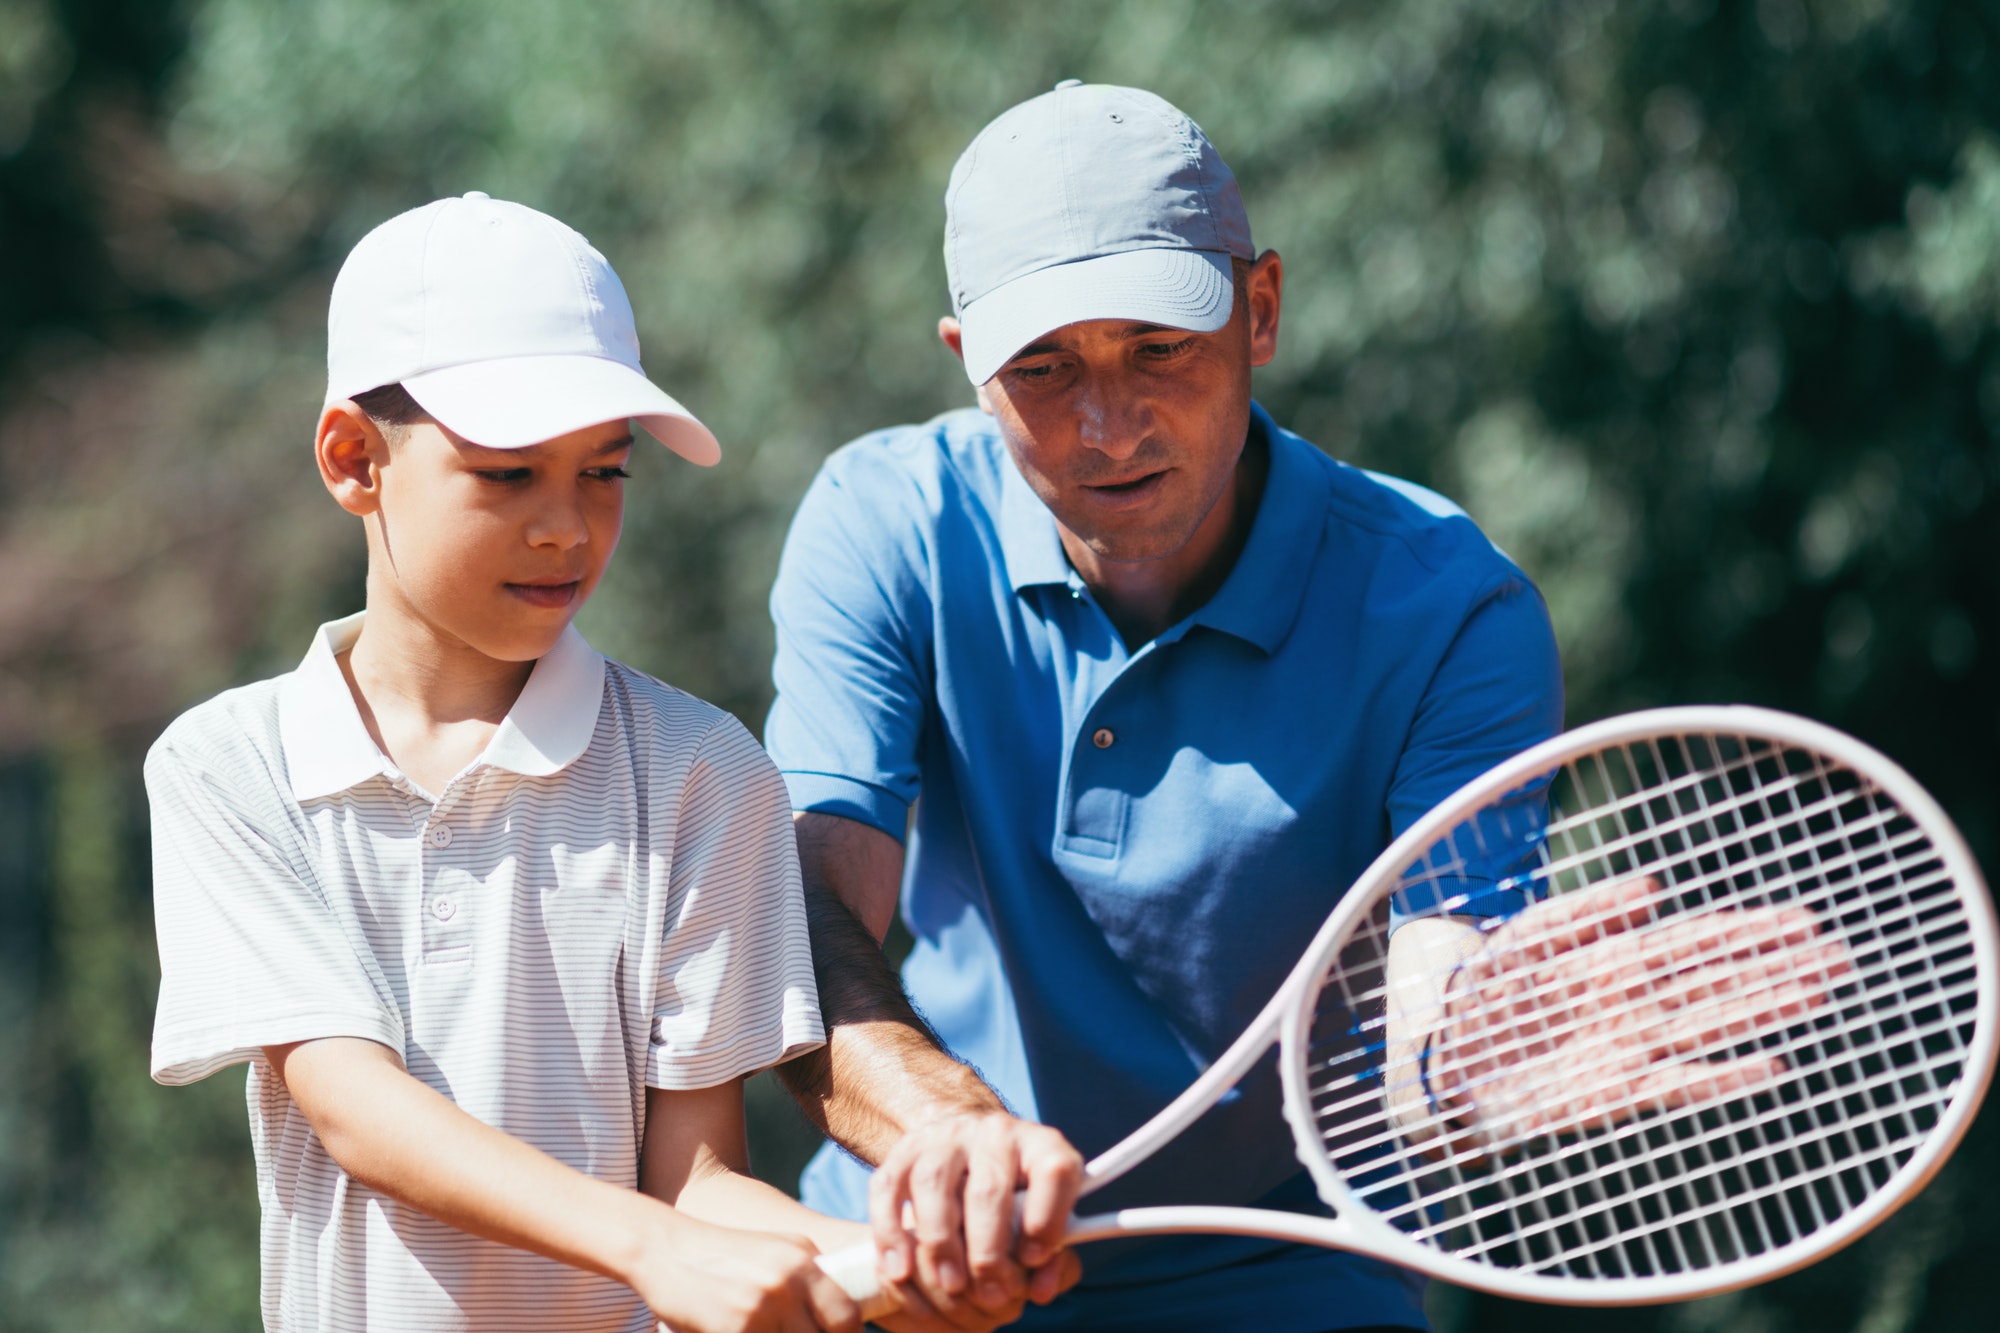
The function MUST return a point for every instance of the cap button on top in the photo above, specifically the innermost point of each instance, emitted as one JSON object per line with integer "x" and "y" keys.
{"x": 1070, "y": 83}
{"x": 476, "y": 194}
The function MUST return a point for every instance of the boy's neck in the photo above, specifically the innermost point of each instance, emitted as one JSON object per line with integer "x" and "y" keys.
{"x": 429, "y": 700}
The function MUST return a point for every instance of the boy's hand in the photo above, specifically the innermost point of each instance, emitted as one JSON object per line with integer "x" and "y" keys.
{"x": 957, "y": 1178}
{"x": 699, "y": 1278}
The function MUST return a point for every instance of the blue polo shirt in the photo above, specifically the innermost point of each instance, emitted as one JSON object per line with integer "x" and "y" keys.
{"x": 1120, "y": 852}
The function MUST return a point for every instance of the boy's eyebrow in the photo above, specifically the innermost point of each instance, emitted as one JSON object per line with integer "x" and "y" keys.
{"x": 617, "y": 444}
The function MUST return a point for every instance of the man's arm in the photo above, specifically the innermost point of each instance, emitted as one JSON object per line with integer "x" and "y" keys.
{"x": 883, "y": 1088}
{"x": 398, "y": 1137}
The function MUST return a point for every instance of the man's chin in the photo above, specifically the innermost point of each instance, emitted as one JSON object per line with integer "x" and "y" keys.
{"x": 1133, "y": 548}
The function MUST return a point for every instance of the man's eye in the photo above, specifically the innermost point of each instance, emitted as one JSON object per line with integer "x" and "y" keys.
{"x": 1167, "y": 349}
{"x": 504, "y": 475}
{"x": 609, "y": 473}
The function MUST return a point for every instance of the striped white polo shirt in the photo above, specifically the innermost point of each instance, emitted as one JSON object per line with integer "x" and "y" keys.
{"x": 607, "y": 898}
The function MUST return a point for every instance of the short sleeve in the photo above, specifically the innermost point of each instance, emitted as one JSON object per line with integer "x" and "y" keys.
{"x": 1496, "y": 692}
{"x": 736, "y": 989}
{"x": 851, "y": 676}
{"x": 251, "y": 954}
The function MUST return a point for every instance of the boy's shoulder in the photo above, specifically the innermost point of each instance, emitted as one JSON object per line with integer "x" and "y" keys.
{"x": 237, "y": 731}
{"x": 670, "y": 716}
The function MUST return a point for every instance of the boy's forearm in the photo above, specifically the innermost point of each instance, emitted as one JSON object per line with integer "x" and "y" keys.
{"x": 398, "y": 1137}
{"x": 731, "y": 1199}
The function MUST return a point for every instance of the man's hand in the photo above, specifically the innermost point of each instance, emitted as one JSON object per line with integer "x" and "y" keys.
{"x": 1591, "y": 1009}
{"x": 699, "y": 1278}
{"x": 944, "y": 1211}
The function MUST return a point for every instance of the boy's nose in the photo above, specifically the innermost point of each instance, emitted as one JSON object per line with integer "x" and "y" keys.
{"x": 561, "y": 525}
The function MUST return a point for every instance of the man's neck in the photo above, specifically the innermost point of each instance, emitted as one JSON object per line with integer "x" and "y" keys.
{"x": 1144, "y": 598}
{"x": 431, "y": 701}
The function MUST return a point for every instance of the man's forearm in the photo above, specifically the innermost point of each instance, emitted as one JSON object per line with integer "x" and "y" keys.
{"x": 882, "y": 1071}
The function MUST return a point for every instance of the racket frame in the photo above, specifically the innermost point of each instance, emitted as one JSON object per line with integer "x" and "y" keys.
{"x": 1377, "y": 1236}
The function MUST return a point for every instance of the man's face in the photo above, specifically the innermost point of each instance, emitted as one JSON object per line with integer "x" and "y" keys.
{"x": 498, "y": 548}
{"x": 1130, "y": 433}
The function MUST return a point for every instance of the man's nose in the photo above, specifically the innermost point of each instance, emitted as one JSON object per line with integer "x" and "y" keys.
{"x": 1111, "y": 418}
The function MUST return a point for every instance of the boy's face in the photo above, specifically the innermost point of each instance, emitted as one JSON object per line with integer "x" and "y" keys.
{"x": 496, "y": 548}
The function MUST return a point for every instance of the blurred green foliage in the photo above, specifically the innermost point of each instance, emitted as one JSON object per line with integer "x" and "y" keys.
{"x": 1690, "y": 302}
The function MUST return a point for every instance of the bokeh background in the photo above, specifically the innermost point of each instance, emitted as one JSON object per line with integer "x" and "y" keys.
{"x": 1690, "y": 302}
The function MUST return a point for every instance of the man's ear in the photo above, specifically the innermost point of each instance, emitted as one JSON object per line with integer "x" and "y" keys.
{"x": 1264, "y": 288}
{"x": 952, "y": 335}
{"x": 351, "y": 454}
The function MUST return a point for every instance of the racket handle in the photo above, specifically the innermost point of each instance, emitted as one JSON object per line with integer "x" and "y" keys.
{"x": 854, "y": 1269}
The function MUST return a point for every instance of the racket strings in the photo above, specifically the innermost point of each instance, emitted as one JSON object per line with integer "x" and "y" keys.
{"x": 1633, "y": 1184}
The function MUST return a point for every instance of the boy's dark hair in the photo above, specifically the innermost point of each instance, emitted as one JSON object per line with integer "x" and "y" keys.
{"x": 392, "y": 410}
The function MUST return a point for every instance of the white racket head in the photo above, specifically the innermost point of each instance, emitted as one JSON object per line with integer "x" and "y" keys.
{"x": 1859, "y": 1096}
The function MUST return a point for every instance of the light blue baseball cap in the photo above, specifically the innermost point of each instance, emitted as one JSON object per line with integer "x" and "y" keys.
{"x": 1088, "y": 202}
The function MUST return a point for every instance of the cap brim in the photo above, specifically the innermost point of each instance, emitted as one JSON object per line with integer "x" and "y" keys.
{"x": 1182, "y": 289}
{"x": 521, "y": 400}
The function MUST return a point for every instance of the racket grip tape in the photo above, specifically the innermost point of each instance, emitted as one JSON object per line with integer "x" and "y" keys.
{"x": 854, "y": 1269}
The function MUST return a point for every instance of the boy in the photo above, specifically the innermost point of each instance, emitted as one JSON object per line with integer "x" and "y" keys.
{"x": 498, "y": 924}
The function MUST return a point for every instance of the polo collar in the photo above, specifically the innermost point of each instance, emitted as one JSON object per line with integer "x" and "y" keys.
{"x": 328, "y": 749}
{"x": 1260, "y": 600}
{"x": 1029, "y": 542}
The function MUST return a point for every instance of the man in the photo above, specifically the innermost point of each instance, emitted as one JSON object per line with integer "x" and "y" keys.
{"x": 1166, "y": 679}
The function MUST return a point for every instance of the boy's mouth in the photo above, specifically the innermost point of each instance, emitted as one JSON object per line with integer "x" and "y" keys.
{"x": 552, "y": 596}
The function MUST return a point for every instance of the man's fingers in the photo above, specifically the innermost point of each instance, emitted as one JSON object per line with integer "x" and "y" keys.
{"x": 888, "y": 1191}
{"x": 934, "y": 1189}
{"x": 1053, "y": 1171}
{"x": 996, "y": 1280}
{"x": 1055, "y": 1277}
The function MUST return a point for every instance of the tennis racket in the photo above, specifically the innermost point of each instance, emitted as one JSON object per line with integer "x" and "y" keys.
{"x": 1678, "y": 1002}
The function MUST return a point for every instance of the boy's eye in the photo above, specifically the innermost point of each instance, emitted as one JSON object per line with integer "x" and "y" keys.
{"x": 504, "y": 475}
{"x": 613, "y": 473}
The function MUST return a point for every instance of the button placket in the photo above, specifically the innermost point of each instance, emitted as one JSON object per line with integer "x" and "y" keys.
{"x": 441, "y": 904}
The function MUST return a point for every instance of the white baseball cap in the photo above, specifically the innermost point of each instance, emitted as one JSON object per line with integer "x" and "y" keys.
{"x": 1089, "y": 202}
{"x": 504, "y": 325}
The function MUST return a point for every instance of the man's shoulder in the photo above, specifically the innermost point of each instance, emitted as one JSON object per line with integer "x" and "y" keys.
{"x": 1378, "y": 508}
{"x": 959, "y": 451}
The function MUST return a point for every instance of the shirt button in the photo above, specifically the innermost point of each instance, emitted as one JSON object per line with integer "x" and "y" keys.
{"x": 1102, "y": 738}
{"x": 441, "y": 835}
{"x": 443, "y": 908}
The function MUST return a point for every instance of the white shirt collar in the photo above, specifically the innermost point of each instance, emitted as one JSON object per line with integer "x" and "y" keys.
{"x": 328, "y": 749}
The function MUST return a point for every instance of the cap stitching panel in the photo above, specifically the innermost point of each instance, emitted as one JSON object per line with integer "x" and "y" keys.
{"x": 1176, "y": 126}
{"x": 954, "y": 271}
{"x": 1191, "y": 142}
{"x": 424, "y": 291}
{"x": 568, "y": 238}
{"x": 1071, "y": 237}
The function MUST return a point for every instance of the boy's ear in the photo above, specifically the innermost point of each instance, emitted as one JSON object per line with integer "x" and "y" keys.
{"x": 351, "y": 454}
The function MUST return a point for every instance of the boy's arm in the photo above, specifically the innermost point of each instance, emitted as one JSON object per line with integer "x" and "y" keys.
{"x": 398, "y": 1137}
{"x": 697, "y": 1158}
{"x": 883, "y": 1088}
